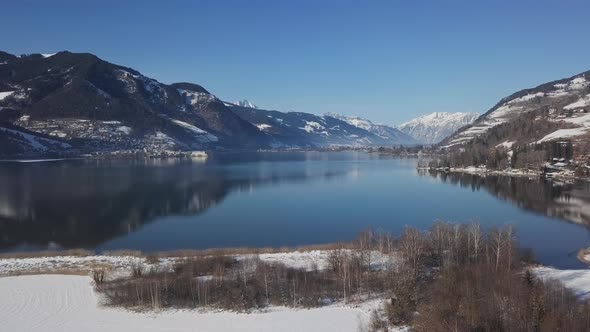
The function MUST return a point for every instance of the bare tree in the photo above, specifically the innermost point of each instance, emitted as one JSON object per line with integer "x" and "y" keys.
{"x": 475, "y": 235}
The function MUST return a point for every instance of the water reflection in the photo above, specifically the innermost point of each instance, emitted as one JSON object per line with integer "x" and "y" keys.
{"x": 84, "y": 203}
{"x": 567, "y": 201}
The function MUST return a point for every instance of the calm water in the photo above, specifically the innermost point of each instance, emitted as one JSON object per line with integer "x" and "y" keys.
{"x": 271, "y": 199}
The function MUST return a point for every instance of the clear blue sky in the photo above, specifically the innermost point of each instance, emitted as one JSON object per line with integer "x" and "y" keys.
{"x": 385, "y": 60}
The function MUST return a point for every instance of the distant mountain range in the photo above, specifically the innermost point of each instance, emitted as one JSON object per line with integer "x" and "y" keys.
{"x": 434, "y": 127}
{"x": 76, "y": 103}
{"x": 303, "y": 129}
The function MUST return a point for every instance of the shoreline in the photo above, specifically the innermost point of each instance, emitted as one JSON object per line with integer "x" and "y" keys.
{"x": 511, "y": 173}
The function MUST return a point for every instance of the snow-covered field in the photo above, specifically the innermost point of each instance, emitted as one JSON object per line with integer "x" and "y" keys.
{"x": 36, "y": 301}
{"x": 68, "y": 303}
{"x": 58, "y": 302}
{"x": 576, "y": 280}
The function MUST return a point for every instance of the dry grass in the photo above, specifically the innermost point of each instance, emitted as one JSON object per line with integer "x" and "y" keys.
{"x": 248, "y": 250}
{"x": 123, "y": 252}
{"x": 48, "y": 253}
{"x": 155, "y": 256}
{"x": 90, "y": 267}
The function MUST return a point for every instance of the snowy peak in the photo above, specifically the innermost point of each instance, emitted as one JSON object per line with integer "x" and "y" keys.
{"x": 434, "y": 127}
{"x": 353, "y": 120}
{"x": 245, "y": 103}
{"x": 298, "y": 129}
{"x": 382, "y": 131}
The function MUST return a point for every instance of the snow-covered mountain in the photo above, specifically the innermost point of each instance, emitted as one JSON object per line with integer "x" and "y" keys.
{"x": 75, "y": 103}
{"x": 434, "y": 127}
{"x": 552, "y": 111}
{"x": 245, "y": 103}
{"x": 71, "y": 104}
{"x": 383, "y": 131}
{"x": 298, "y": 129}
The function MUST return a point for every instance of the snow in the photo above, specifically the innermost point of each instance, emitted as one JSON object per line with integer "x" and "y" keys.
{"x": 122, "y": 265}
{"x": 58, "y": 133}
{"x": 564, "y": 89}
{"x": 564, "y": 133}
{"x": 319, "y": 259}
{"x": 202, "y": 133}
{"x": 353, "y": 121}
{"x": 126, "y": 77}
{"x": 263, "y": 126}
{"x": 6, "y": 94}
{"x": 124, "y": 129}
{"x": 189, "y": 126}
{"x": 194, "y": 98}
{"x": 312, "y": 127}
{"x": 583, "y": 121}
{"x": 504, "y": 110}
{"x": 506, "y": 144}
{"x": 434, "y": 127}
{"x": 31, "y": 161}
{"x": 47, "y": 55}
{"x": 527, "y": 97}
{"x": 36, "y": 142}
{"x": 576, "y": 280}
{"x": 582, "y": 102}
{"x": 578, "y": 83}
{"x": 245, "y": 103}
{"x": 68, "y": 303}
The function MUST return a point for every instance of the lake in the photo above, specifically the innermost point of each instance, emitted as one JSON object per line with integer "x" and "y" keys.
{"x": 272, "y": 199}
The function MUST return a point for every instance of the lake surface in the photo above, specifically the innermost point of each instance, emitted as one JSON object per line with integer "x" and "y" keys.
{"x": 272, "y": 199}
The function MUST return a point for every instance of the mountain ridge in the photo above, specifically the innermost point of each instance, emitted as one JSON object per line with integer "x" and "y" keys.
{"x": 434, "y": 127}
{"x": 554, "y": 101}
{"x": 72, "y": 104}
{"x": 528, "y": 129}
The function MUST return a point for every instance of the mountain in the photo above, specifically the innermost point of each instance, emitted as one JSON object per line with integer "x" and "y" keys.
{"x": 71, "y": 104}
{"x": 385, "y": 132}
{"x": 549, "y": 112}
{"x": 298, "y": 129}
{"x": 245, "y": 103}
{"x": 434, "y": 127}
{"x": 529, "y": 128}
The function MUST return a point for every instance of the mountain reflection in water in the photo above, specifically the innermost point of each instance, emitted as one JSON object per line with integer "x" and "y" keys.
{"x": 567, "y": 201}
{"x": 273, "y": 200}
{"x": 80, "y": 204}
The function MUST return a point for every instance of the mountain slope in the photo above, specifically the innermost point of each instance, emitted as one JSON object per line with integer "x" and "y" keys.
{"x": 298, "y": 129}
{"x": 548, "y": 112}
{"x": 434, "y": 127}
{"x": 528, "y": 129}
{"x": 96, "y": 106}
{"x": 385, "y": 132}
{"x": 71, "y": 104}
